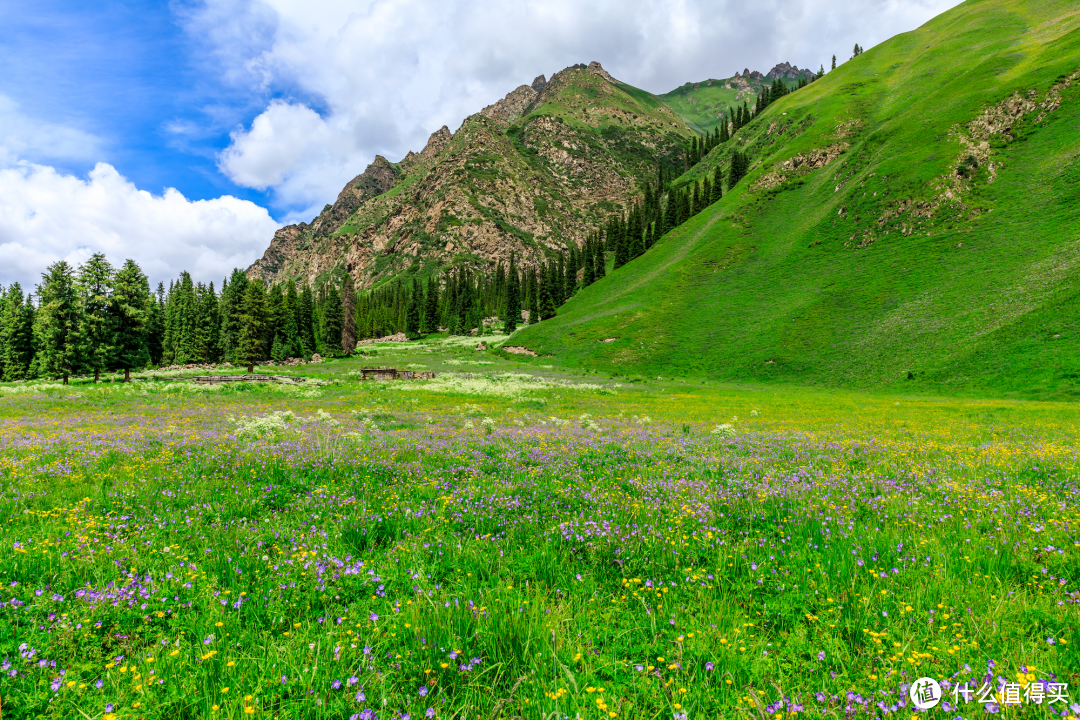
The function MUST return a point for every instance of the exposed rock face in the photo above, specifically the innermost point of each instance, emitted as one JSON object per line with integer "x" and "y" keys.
{"x": 789, "y": 72}
{"x": 507, "y": 181}
{"x": 511, "y": 107}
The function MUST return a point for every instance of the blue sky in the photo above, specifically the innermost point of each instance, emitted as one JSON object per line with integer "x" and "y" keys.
{"x": 183, "y": 134}
{"x": 127, "y": 73}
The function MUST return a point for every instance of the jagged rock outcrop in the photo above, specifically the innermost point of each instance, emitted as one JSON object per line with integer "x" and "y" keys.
{"x": 789, "y": 72}
{"x": 509, "y": 180}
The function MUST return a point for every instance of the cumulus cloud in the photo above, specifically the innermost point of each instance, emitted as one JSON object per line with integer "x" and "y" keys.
{"x": 46, "y": 216}
{"x": 379, "y": 76}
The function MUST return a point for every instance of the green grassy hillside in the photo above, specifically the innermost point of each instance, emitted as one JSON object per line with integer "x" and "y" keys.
{"x": 864, "y": 248}
{"x": 701, "y": 104}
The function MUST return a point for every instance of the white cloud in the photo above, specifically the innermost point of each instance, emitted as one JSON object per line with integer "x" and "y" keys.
{"x": 47, "y": 216}
{"x": 384, "y": 74}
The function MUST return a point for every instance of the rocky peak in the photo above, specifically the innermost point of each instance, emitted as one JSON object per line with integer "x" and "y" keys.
{"x": 539, "y": 82}
{"x": 594, "y": 67}
{"x": 438, "y": 140}
{"x": 788, "y": 72}
{"x": 511, "y": 107}
{"x": 376, "y": 179}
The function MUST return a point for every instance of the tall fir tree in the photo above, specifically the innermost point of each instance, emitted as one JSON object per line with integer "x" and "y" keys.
{"x": 290, "y": 331}
{"x": 599, "y": 260}
{"x": 94, "y": 282}
{"x": 348, "y": 312}
{"x": 58, "y": 341}
{"x": 232, "y": 295}
{"x": 547, "y": 301}
{"x": 412, "y": 314}
{"x": 588, "y": 276}
{"x": 305, "y": 322}
{"x": 534, "y": 296}
{"x": 429, "y": 321}
{"x": 16, "y": 334}
{"x": 130, "y": 309}
{"x": 512, "y": 310}
{"x": 333, "y": 320}
{"x": 250, "y": 348}
{"x": 156, "y": 325}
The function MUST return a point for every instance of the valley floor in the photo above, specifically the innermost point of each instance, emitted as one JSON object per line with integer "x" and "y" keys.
{"x": 494, "y": 544}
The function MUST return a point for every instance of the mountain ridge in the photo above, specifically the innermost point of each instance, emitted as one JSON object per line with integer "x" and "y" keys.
{"x": 583, "y": 140}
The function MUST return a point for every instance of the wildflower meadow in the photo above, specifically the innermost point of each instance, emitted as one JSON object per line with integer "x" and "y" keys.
{"x": 516, "y": 546}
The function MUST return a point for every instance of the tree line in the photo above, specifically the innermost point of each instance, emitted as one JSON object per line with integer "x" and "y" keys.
{"x": 97, "y": 318}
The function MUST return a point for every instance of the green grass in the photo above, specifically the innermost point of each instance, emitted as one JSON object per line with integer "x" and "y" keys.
{"x": 493, "y": 546}
{"x": 702, "y": 106}
{"x": 777, "y": 285}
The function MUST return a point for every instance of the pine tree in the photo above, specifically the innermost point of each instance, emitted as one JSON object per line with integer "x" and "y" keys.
{"x": 252, "y": 317}
{"x": 290, "y": 330}
{"x": 333, "y": 321}
{"x": 547, "y": 302}
{"x": 589, "y": 275}
{"x": 534, "y": 297}
{"x": 232, "y": 294}
{"x": 512, "y": 309}
{"x": 305, "y": 323}
{"x": 716, "y": 183}
{"x": 16, "y": 334}
{"x": 600, "y": 261}
{"x": 58, "y": 338}
{"x": 348, "y": 311}
{"x": 155, "y": 330}
{"x": 833, "y": 62}
{"x": 412, "y": 315}
{"x": 93, "y": 281}
{"x": 130, "y": 314}
{"x": 740, "y": 165}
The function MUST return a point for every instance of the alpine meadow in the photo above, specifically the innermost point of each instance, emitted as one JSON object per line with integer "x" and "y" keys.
{"x": 756, "y": 399}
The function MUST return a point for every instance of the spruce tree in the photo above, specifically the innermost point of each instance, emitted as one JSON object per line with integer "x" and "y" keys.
{"x": 534, "y": 297}
{"x": 290, "y": 331}
{"x": 600, "y": 260}
{"x": 130, "y": 309}
{"x": 58, "y": 340}
{"x": 412, "y": 315}
{"x": 232, "y": 294}
{"x": 16, "y": 334}
{"x": 252, "y": 317}
{"x": 348, "y": 312}
{"x": 305, "y": 323}
{"x": 155, "y": 329}
{"x": 833, "y": 62}
{"x": 589, "y": 275}
{"x": 333, "y": 320}
{"x": 512, "y": 309}
{"x": 430, "y": 320}
{"x": 547, "y": 302}
{"x": 695, "y": 200}
{"x": 716, "y": 183}
{"x": 94, "y": 281}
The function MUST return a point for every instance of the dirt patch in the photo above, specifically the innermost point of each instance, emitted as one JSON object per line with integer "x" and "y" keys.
{"x": 799, "y": 165}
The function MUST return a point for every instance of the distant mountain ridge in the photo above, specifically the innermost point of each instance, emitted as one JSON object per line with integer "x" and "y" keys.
{"x": 530, "y": 174}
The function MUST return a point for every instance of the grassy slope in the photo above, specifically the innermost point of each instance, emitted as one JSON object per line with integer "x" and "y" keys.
{"x": 770, "y": 285}
{"x": 701, "y": 106}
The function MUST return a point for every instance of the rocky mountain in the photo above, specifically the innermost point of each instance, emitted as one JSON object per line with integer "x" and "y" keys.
{"x": 532, "y": 173}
